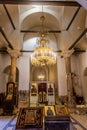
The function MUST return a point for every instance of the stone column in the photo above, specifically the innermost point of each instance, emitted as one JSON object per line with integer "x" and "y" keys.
{"x": 69, "y": 80}
{"x": 57, "y": 88}
{"x": 66, "y": 54}
{"x": 14, "y": 55}
{"x": 13, "y": 68}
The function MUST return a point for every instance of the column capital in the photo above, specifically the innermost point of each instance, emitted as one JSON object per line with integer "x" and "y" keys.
{"x": 66, "y": 53}
{"x": 14, "y": 53}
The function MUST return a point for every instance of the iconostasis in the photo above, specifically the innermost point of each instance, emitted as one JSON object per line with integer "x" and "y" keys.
{"x": 42, "y": 93}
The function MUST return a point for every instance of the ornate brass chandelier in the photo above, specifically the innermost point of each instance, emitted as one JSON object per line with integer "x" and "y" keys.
{"x": 43, "y": 55}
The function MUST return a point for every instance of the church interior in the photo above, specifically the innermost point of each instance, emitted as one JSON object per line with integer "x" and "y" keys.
{"x": 43, "y": 65}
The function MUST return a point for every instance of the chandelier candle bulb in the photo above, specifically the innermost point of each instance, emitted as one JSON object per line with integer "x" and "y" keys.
{"x": 43, "y": 55}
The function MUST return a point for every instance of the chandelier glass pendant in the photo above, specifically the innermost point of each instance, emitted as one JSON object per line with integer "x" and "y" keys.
{"x": 43, "y": 55}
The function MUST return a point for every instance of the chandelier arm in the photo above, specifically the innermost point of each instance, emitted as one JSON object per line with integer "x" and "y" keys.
{"x": 43, "y": 55}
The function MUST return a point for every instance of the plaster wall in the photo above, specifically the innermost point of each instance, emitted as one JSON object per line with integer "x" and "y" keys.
{"x": 76, "y": 77}
{"x": 83, "y": 78}
{"x": 78, "y": 66}
{"x": 24, "y": 72}
{"x": 62, "y": 84}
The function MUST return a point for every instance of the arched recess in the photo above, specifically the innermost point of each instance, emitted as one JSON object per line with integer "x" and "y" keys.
{"x": 85, "y": 84}
{"x": 30, "y": 22}
{"x": 85, "y": 72}
{"x": 51, "y": 23}
{"x": 39, "y": 73}
{"x": 7, "y": 71}
{"x": 37, "y": 10}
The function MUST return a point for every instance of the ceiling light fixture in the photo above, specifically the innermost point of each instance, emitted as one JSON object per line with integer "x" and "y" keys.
{"x": 43, "y": 55}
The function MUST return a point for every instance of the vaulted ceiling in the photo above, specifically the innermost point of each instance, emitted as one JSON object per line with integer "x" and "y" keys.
{"x": 65, "y": 24}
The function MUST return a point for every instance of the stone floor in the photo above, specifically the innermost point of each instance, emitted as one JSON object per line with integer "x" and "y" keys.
{"x": 79, "y": 122}
{"x": 8, "y": 122}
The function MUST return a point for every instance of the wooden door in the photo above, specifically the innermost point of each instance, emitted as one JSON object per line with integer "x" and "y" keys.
{"x": 42, "y": 92}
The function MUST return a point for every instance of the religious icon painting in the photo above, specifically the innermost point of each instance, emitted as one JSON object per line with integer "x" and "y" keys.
{"x": 30, "y": 118}
{"x": 10, "y": 90}
{"x": 50, "y": 89}
{"x": 50, "y": 110}
{"x": 61, "y": 110}
{"x": 33, "y": 90}
{"x": 40, "y": 100}
{"x": 10, "y": 87}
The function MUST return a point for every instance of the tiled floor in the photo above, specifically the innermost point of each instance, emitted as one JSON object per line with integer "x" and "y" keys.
{"x": 7, "y": 122}
{"x": 79, "y": 122}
